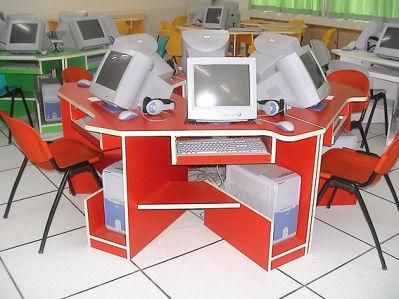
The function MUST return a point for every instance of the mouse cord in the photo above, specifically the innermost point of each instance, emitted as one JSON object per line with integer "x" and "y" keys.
{"x": 155, "y": 120}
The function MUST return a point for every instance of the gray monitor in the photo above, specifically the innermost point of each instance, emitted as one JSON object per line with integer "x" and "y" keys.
{"x": 215, "y": 17}
{"x": 388, "y": 43}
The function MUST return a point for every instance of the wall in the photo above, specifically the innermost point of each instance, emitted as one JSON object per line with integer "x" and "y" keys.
{"x": 154, "y": 10}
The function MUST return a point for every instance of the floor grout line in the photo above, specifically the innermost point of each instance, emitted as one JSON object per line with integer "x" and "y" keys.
{"x": 11, "y": 278}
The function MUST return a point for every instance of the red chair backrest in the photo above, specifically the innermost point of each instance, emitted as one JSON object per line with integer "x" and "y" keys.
{"x": 389, "y": 158}
{"x": 34, "y": 148}
{"x": 356, "y": 79}
{"x": 75, "y": 73}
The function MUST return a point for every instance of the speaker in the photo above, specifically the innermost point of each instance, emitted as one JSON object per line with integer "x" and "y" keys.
{"x": 156, "y": 106}
{"x": 272, "y": 107}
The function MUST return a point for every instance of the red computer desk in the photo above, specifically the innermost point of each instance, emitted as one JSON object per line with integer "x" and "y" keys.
{"x": 156, "y": 186}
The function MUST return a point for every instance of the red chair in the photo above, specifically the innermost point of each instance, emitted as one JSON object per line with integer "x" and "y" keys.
{"x": 64, "y": 155}
{"x": 75, "y": 73}
{"x": 356, "y": 79}
{"x": 348, "y": 169}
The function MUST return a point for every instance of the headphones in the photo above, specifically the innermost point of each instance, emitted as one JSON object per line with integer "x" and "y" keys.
{"x": 272, "y": 107}
{"x": 156, "y": 106}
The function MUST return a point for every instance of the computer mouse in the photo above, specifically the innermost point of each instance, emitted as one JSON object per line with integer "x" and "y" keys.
{"x": 127, "y": 114}
{"x": 285, "y": 126}
{"x": 84, "y": 83}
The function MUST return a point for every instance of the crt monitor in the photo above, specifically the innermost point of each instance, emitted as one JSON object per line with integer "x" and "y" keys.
{"x": 3, "y": 32}
{"x": 372, "y": 29}
{"x": 204, "y": 43}
{"x": 388, "y": 42}
{"x": 119, "y": 77}
{"x": 147, "y": 45}
{"x": 269, "y": 48}
{"x": 215, "y": 17}
{"x": 64, "y": 17}
{"x": 233, "y": 13}
{"x": 196, "y": 10}
{"x": 298, "y": 79}
{"x": 26, "y": 36}
{"x": 86, "y": 33}
{"x": 221, "y": 89}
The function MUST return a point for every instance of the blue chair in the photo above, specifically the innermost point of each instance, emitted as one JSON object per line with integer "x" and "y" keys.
{"x": 162, "y": 42}
{"x": 13, "y": 91}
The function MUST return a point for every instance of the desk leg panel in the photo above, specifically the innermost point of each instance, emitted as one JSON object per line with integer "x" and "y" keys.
{"x": 244, "y": 229}
{"x": 149, "y": 168}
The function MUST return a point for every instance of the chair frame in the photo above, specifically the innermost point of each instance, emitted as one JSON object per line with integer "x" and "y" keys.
{"x": 353, "y": 187}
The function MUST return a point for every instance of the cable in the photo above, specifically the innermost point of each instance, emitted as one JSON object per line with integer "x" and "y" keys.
{"x": 155, "y": 120}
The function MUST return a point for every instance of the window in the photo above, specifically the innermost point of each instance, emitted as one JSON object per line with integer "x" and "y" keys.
{"x": 348, "y": 9}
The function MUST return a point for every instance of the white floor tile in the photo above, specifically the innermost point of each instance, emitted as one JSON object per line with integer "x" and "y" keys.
{"x": 55, "y": 177}
{"x": 377, "y": 128}
{"x": 33, "y": 182}
{"x": 362, "y": 278}
{"x": 11, "y": 157}
{"x": 136, "y": 285}
{"x": 78, "y": 200}
{"x": 28, "y": 217}
{"x": 377, "y": 144}
{"x": 67, "y": 266}
{"x": 185, "y": 234}
{"x": 381, "y": 187}
{"x": 330, "y": 249}
{"x": 351, "y": 220}
{"x": 3, "y": 139}
{"x": 303, "y": 293}
{"x": 7, "y": 287}
{"x": 392, "y": 246}
{"x": 219, "y": 271}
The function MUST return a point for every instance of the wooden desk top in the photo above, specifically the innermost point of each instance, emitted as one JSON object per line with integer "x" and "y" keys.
{"x": 367, "y": 56}
{"x": 174, "y": 123}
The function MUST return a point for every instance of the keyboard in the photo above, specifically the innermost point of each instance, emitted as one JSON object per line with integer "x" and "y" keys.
{"x": 221, "y": 146}
{"x": 246, "y": 29}
{"x": 318, "y": 107}
{"x": 83, "y": 120}
{"x": 384, "y": 70}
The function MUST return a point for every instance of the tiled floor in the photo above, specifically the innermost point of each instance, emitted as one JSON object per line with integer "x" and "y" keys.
{"x": 187, "y": 260}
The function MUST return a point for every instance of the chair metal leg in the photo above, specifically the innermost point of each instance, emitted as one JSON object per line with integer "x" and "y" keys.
{"x": 14, "y": 187}
{"x": 71, "y": 189}
{"x": 395, "y": 196}
{"x": 369, "y": 121}
{"x": 371, "y": 226}
{"x": 364, "y": 139}
{"x": 53, "y": 209}
{"x": 26, "y": 106}
{"x": 384, "y": 99}
{"x": 331, "y": 198}
{"x": 11, "y": 114}
{"x": 322, "y": 191}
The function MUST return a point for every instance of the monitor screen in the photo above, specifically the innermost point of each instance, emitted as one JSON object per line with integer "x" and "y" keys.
{"x": 90, "y": 29}
{"x": 391, "y": 38}
{"x": 313, "y": 69}
{"x": 23, "y": 33}
{"x": 113, "y": 69}
{"x": 221, "y": 89}
{"x": 388, "y": 42}
{"x": 213, "y": 15}
{"x": 221, "y": 85}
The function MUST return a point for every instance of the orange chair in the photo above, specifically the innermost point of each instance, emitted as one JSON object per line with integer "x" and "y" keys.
{"x": 174, "y": 45}
{"x": 328, "y": 35}
{"x": 122, "y": 27}
{"x": 180, "y": 20}
{"x": 165, "y": 25}
{"x": 64, "y": 155}
{"x": 359, "y": 80}
{"x": 348, "y": 169}
{"x": 75, "y": 73}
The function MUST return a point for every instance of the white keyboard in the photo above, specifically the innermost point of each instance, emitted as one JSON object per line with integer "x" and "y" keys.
{"x": 384, "y": 70}
{"x": 246, "y": 29}
{"x": 221, "y": 146}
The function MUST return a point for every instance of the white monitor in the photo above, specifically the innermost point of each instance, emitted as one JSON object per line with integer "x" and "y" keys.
{"x": 64, "y": 17}
{"x": 298, "y": 79}
{"x": 221, "y": 89}
{"x": 3, "y": 33}
{"x": 204, "y": 43}
{"x": 233, "y": 13}
{"x": 26, "y": 36}
{"x": 120, "y": 76}
{"x": 388, "y": 43}
{"x": 86, "y": 33}
{"x": 109, "y": 27}
{"x": 147, "y": 45}
{"x": 19, "y": 17}
{"x": 196, "y": 10}
{"x": 372, "y": 29}
{"x": 215, "y": 17}
{"x": 269, "y": 48}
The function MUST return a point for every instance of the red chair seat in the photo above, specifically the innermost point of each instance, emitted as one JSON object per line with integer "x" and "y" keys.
{"x": 347, "y": 164}
{"x": 68, "y": 152}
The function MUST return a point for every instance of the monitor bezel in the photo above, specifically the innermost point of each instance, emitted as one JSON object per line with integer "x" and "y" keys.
{"x": 221, "y": 113}
{"x": 26, "y": 47}
{"x": 80, "y": 42}
{"x": 222, "y": 21}
{"x": 323, "y": 90}
{"x": 383, "y": 51}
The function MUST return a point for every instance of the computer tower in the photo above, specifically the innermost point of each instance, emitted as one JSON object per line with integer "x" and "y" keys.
{"x": 269, "y": 189}
{"x": 48, "y": 91}
{"x": 114, "y": 206}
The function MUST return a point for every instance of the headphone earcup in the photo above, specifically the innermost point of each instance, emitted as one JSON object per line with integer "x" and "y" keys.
{"x": 271, "y": 108}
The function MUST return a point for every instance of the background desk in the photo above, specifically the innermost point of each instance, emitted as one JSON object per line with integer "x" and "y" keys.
{"x": 23, "y": 70}
{"x": 391, "y": 81}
